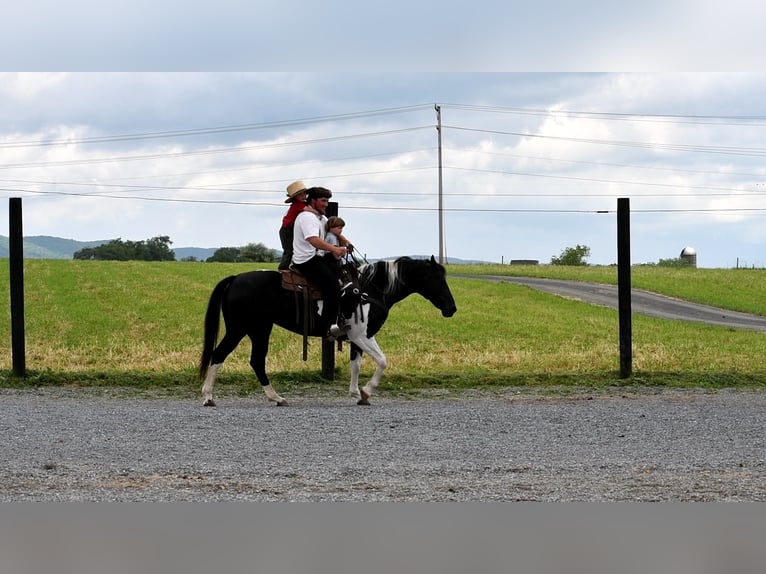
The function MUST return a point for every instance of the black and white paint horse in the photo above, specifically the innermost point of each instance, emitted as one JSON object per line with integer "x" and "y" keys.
{"x": 253, "y": 302}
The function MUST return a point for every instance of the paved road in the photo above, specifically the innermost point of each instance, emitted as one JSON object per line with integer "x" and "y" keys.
{"x": 643, "y": 302}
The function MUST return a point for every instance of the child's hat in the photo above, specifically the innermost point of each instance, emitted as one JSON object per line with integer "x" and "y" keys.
{"x": 294, "y": 189}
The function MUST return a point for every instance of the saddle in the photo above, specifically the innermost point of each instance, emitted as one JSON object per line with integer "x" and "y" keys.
{"x": 293, "y": 280}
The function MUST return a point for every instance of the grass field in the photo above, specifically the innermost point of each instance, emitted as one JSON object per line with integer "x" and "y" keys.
{"x": 139, "y": 324}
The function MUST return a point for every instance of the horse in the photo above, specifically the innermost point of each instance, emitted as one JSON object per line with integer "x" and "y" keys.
{"x": 253, "y": 302}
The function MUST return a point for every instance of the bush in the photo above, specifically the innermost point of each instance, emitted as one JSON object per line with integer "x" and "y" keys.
{"x": 572, "y": 256}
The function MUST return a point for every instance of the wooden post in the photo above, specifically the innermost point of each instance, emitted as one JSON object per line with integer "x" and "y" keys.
{"x": 328, "y": 347}
{"x": 16, "y": 252}
{"x": 624, "y": 287}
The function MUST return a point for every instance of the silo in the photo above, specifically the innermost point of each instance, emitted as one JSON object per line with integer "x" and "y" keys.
{"x": 689, "y": 254}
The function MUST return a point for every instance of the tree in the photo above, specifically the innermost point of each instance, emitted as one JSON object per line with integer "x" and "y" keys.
{"x": 250, "y": 253}
{"x": 572, "y": 256}
{"x": 257, "y": 252}
{"x": 224, "y": 255}
{"x": 158, "y": 249}
{"x": 154, "y": 249}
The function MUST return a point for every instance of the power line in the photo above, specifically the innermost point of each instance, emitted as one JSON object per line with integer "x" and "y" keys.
{"x": 384, "y": 208}
{"x": 725, "y": 192}
{"x": 596, "y": 180}
{"x": 735, "y": 120}
{"x": 209, "y": 151}
{"x": 214, "y": 130}
{"x": 604, "y": 164}
{"x": 758, "y": 152}
{"x": 745, "y": 151}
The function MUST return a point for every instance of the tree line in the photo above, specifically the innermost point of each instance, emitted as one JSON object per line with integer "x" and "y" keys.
{"x": 158, "y": 249}
{"x": 579, "y": 254}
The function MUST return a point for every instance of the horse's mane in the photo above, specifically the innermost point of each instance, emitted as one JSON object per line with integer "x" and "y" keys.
{"x": 391, "y": 271}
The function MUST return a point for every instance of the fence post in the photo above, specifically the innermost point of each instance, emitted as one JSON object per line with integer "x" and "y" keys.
{"x": 16, "y": 256}
{"x": 623, "y": 287}
{"x": 328, "y": 347}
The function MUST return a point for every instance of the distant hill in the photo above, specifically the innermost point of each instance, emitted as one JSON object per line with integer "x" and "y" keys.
{"x": 199, "y": 253}
{"x": 454, "y": 260}
{"x": 47, "y": 247}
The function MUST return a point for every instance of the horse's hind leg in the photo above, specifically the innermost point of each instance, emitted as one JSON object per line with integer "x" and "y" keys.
{"x": 260, "y": 348}
{"x": 223, "y": 350}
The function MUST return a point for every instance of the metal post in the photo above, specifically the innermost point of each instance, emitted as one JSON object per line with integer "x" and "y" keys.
{"x": 328, "y": 347}
{"x": 16, "y": 252}
{"x": 624, "y": 287}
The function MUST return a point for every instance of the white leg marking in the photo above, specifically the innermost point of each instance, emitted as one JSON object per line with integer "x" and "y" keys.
{"x": 207, "y": 386}
{"x": 370, "y": 346}
{"x": 273, "y": 396}
{"x": 353, "y": 388}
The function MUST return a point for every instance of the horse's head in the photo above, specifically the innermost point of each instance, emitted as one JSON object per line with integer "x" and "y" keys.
{"x": 431, "y": 283}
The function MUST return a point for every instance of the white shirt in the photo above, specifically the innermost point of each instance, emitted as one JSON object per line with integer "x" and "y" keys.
{"x": 307, "y": 224}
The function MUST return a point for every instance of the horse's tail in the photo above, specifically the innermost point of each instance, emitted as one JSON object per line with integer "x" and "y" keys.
{"x": 212, "y": 322}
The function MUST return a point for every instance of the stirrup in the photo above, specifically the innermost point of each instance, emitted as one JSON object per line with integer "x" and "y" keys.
{"x": 338, "y": 330}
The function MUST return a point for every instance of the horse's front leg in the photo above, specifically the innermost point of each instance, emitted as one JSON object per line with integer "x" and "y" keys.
{"x": 370, "y": 346}
{"x": 207, "y": 386}
{"x": 356, "y": 367}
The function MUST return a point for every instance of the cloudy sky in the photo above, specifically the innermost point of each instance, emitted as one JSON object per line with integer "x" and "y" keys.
{"x": 531, "y": 162}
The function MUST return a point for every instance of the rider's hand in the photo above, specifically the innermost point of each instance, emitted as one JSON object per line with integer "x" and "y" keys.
{"x": 350, "y": 248}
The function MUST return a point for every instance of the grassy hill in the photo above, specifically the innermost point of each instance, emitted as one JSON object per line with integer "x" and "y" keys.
{"x": 47, "y": 247}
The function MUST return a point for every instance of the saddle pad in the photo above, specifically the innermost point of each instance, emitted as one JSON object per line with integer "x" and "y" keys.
{"x": 294, "y": 281}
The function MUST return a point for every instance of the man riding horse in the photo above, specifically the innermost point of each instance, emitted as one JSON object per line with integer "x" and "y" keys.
{"x": 309, "y": 248}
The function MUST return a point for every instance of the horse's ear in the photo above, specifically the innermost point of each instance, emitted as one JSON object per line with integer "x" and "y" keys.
{"x": 432, "y": 259}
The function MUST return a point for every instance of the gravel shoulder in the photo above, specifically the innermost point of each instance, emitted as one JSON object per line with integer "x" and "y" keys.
{"x": 509, "y": 445}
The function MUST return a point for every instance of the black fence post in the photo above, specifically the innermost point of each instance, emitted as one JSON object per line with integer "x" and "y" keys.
{"x": 624, "y": 287}
{"x": 328, "y": 347}
{"x": 16, "y": 256}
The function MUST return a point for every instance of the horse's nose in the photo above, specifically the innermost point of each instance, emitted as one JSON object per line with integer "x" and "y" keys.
{"x": 448, "y": 312}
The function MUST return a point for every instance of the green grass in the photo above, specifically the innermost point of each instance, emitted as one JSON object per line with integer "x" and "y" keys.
{"x": 139, "y": 325}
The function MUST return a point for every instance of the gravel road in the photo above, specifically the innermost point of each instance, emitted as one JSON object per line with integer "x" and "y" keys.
{"x": 642, "y": 445}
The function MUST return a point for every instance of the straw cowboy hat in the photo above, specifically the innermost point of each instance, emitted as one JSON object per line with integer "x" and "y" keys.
{"x": 294, "y": 189}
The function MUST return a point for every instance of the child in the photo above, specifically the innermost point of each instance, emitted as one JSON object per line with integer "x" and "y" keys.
{"x": 333, "y": 232}
{"x": 296, "y": 197}
{"x": 334, "y": 229}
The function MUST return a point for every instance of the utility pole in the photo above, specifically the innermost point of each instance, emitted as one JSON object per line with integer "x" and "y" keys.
{"x": 438, "y": 109}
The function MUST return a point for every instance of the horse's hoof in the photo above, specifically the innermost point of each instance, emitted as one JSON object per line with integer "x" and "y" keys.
{"x": 282, "y": 403}
{"x": 209, "y": 403}
{"x": 365, "y": 400}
